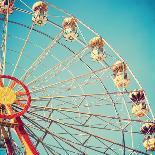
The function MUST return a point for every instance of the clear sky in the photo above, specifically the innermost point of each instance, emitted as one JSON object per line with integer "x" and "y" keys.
{"x": 129, "y": 26}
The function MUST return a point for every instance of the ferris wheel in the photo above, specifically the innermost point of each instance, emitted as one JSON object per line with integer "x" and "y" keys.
{"x": 64, "y": 90}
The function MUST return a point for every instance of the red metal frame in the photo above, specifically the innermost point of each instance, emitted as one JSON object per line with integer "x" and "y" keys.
{"x": 8, "y": 146}
{"x": 27, "y": 93}
{"x": 15, "y": 118}
{"x": 7, "y": 142}
{"x": 24, "y": 138}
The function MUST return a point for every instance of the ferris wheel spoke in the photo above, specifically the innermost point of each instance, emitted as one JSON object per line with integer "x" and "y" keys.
{"x": 1, "y": 83}
{"x": 98, "y": 116}
{"x": 23, "y": 49}
{"x": 58, "y": 67}
{"x": 69, "y": 103}
{"x": 9, "y": 109}
{"x": 4, "y": 44}
{"x": 20, "y": 104}
{"x": 95, "y": 126}
{"x": 36, "y": 138}
{"x": 94, "y": 149}
{"x": 12, "y": 84}
{"x": 98, "y": 137}
{"x": 68, "y": 142}
{"x": 52, "y": 134}
{"x": 20, "y": 93}
{"x": 42, "y": 33}
{"x": 116, "y": 128}
{"x": 7, "y": 141}
{"x": 65, "y": 88}
{"x": 67, "y": 110}
{"x": 29, "y": 57}
{"x": 59, "y": 89}
{"x": 61, "y": 69}
{"x": 101, "y": 95}
{"x": 71, "y": 79}
{"x": 41, "y": 57}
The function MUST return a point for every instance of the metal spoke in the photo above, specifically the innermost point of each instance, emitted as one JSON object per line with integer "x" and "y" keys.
{"x": 23, "y": 48}
{"x": 85, "y": 132}
{"x": 41, "y": 57}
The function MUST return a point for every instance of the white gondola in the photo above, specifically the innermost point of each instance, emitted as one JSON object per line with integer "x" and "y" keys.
{"x": 97, "y": 52}
{"x": 149, "y": 143}
{"x": 121, "y": 80}
{"x": 140, "y": 109}
{"x": 118, "y": 68}
{"x": 39, "y": 16}
{"x": 70, "y": 31}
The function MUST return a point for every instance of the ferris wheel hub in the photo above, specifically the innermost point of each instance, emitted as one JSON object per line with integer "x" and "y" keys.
{"x": 7, "y": 96}
{"x": 13, "y": 102}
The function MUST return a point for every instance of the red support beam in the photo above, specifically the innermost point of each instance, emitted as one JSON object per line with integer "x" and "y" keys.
{"x": 8, "y": 146}
{"x": 24, "y": 138}
{"x": 7, "y": 142}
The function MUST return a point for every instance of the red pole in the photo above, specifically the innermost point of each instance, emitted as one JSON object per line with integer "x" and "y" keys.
{"x": 7, "y": 142}
{"x": 24, "y": 138}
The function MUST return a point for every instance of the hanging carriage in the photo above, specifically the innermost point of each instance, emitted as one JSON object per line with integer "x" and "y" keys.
{"x": 40, "y": 10}
{"x": 6, "y": 6}
{"x": 149, "y": 143}
{"x": 97, "y": 51}
{"x": 70, "y": 30}
{"x": 148, "y": 128}
{"x": 120, "y": 75}
{"x": 139, "y": 107}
